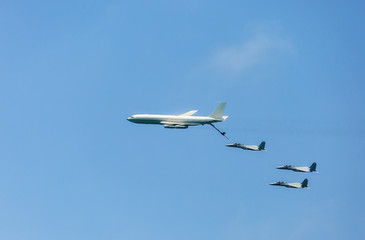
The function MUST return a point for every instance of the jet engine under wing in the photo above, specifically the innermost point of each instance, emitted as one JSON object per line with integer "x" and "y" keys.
{"x": 173, "y": 125}
{"x": 189, "y": 113}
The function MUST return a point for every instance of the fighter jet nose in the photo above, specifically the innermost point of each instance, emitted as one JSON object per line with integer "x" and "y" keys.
{"x": 230, "y": 145}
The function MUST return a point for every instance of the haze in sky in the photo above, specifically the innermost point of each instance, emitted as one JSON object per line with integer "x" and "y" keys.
{"x": 72, "y": 167}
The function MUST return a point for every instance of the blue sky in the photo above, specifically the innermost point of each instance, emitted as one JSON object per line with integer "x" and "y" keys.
{"x": 72, "y": 167}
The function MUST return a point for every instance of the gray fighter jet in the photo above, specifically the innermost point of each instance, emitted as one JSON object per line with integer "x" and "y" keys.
{"x": 312, "y": 168}
{"x": 304, "y": 184}
{"x": 260, "y": 147}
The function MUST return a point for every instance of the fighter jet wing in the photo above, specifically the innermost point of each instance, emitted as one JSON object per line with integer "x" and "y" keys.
{"x": 189, "y": 113}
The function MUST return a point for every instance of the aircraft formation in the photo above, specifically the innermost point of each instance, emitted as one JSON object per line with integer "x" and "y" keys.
{"x": 183, "y": 121}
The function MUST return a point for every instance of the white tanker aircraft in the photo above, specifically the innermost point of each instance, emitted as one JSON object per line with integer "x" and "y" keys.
{"x": 182, "y": 121}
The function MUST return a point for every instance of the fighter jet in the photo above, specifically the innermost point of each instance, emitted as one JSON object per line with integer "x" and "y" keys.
{"x": 182, "y": 121}
{"x": 260, "y": 147}
{"x": 304, "y": 184}
{"x": 312, "y": 168}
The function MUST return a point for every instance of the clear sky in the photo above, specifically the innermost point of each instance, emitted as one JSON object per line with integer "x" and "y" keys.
{"x": 71, "y": 166}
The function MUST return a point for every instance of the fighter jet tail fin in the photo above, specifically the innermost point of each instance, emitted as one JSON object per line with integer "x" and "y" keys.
{"x": 262, "y": 145}
{"x": 218, "y": 112}
{"x": 313, "y": 167}
{"x": 305, "y": 183}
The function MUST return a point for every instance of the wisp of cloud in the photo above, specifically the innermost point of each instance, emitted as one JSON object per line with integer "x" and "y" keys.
{"x": 253, "y": 51}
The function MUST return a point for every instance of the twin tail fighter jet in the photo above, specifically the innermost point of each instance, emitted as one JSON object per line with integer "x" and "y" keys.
{"x": 312, "y": 168}
{"x": 182, "y": 121}
{"x": 260, "y": 147}
{"x": 304, "y": 184}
